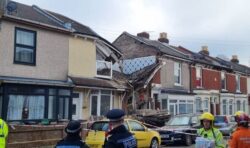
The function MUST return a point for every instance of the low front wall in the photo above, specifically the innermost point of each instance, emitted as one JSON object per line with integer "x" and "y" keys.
{"x": 29, "y": 136}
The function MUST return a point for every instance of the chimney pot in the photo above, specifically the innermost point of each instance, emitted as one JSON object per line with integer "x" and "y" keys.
{"x": 204, "y": 50}
{"x": 143, "y": 34}
{"x": 163, "y": 38}
{"x": 235, "y": 59}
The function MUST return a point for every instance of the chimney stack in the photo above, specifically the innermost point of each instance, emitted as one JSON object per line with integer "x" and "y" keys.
{"x": 204, "y": 50}
{"x": 3, "y": 4}
{"x": 163, "y": 38}
{"x": 143, "y": 34}
{"x": 235, "y": 59}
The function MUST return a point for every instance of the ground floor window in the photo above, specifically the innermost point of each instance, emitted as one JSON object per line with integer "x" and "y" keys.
{"x": 230, "y": 107}
{"x": 181, "y": 106}
{"x": 198, "y": 105}
{"x": 26, "y": 102}
{"x": 101, "y": 102}
{"x": 224, "y": 107}
{"x": 238, "y": 105}
{"x": 243, "y": 104}
{"x": 23, "y": 107}
{"x": 206, "y": 105}
{"x": 164, "y": 103}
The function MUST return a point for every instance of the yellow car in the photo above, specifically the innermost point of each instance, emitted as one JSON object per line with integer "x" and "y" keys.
{"x": 145, "y": 137}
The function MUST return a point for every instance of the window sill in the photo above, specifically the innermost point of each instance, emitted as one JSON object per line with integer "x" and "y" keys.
{"x": 105, "y": 77}
{"x": 177, "y": 84}
{"x": 24, "y": 63}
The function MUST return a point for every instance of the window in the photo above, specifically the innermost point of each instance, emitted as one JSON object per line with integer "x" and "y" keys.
{"x": 104, "y": 69}
{"x": 25, "y": 46}
{"x": 230, "y": 107}
{"x": 164, "y": 104}
{"x": 135, "y": 126}
{"x": 22, "y": 107}
{"x": 224, "y": 107}
{"x": 63, "y": 108}
{"x": 177, "y": 73}
{"x": 198, "y": 77}
{"x": 205, "y": 105}
{"x": 243, "y": 104}
{"x": 238, "y": 105}
{"x": 185, "y": 106}
{"x": 223, "y": 81}
{"x": 198, "y": 105}
{"x": 100, "y": 102}
{"x": 238, "y": 83}
{"x": 52, "y": 107}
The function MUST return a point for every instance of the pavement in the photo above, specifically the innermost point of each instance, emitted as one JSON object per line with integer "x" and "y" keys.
{"x": 178, "y": 146}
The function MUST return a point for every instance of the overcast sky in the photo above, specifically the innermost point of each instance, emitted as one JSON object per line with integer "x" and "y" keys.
{"x": 222, "y": 25}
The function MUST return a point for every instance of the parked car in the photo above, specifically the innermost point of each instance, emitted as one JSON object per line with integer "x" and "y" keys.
{"x": 145, "y": 137}
{"x": 225, "y": 124}
{"x": 180, "y": 128}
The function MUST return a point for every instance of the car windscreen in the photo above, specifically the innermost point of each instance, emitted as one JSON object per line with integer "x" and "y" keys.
{"x": 179, "y": 121}
{"x": 219, "y": 119}
{"x": 100, "y": 126}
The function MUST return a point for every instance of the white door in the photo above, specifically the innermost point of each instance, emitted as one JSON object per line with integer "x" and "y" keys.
{"x": 77, "y": 106}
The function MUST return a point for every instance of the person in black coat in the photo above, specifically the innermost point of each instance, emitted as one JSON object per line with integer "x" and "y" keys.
{"x": 119, "y": 136}
{"x": 73, "y": 138}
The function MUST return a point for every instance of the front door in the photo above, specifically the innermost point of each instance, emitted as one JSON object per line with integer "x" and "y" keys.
{"x": 76, "y": 106}
{"x": 172, "y": 108}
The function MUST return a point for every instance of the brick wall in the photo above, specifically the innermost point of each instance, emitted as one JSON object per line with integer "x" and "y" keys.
{"x": 157, "y": 77}
{"x": 211, "y": 79}
{"x": 243, "y": 85}
{"x": 193, "y": 77}
{"x": 231, "y": 83}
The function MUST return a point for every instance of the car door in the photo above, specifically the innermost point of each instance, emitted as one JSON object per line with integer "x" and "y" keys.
{"x": 139, "y": 132}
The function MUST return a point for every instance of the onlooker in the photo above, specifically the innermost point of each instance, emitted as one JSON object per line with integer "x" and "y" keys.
{"x": 119, "y": 136}
{"x": 73, "y": 138}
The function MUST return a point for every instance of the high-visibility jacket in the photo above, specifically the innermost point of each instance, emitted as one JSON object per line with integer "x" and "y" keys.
{"x": 3, "y": 133}
{"x": 240, "y": 138}
{"x": 212, "y": 134}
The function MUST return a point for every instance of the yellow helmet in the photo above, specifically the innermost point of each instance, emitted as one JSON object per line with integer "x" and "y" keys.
{"x": 207, "y": 116}
{"x": 238, "y": 113}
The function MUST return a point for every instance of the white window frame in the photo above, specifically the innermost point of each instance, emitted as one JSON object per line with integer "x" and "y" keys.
{"x": 111, "y": 69}
{"x": 226, "y": 107}
{"x": 199, "y": 68}
{"x": 179, "y": 69}
{"x": 205, "y": 108}
{"x": 225, "y": 80}
{"x": 231, "y": 104}
{"x": 99, "y": 102}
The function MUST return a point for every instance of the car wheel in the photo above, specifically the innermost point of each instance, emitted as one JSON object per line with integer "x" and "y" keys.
{"x": 188, "y": 140}
{"x": 154, "y": 143}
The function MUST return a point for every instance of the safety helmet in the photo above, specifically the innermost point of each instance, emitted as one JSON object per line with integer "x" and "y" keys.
{"x": 207, "y": 116}
{"x": 241, "y": 117}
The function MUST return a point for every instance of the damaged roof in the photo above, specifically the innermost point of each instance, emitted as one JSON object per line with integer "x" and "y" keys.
{"x": 99, "y": 83}
{"x": 164, "y": 48}
{"x": 141, "y": 77}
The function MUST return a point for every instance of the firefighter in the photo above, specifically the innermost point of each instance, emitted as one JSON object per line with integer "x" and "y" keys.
{"x": 3, "y": 133}
{"x": 241, "y": 137}
{"x": 119, "y": 136}
{"x": 209, "y": 132}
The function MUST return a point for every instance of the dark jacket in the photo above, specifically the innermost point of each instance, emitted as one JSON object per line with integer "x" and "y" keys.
{"x": 73, "y": 141}
{"x": 120, "y": 137}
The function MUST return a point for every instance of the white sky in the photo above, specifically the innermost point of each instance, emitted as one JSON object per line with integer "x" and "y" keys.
{"x": 222, "y": 25}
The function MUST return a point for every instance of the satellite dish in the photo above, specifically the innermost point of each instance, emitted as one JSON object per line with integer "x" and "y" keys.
{"x": 11, "y": 6}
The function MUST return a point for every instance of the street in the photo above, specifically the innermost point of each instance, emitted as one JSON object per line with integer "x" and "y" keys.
{"x": 174, "y": 146}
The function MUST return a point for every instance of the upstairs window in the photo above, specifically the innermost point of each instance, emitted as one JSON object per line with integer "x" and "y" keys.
{"x": 25, "y": 46}
{"x": 198, "y": 77}
{"x": 177, "y": 73}
{"x": 223, "y": 81}
{"x": 238, "y": 83}
{"x": 104, "y": 69}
